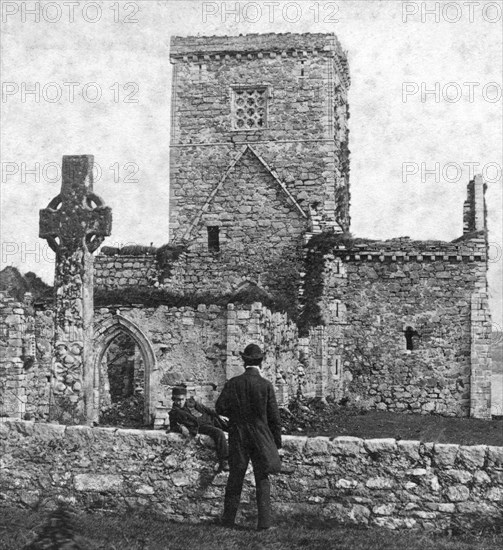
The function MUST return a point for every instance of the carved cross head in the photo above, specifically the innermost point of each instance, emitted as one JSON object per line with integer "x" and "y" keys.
{"x": 76, "y": 218}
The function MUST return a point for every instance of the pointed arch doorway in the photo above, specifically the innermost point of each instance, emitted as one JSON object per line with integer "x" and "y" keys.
{"x": 123, "y": 363}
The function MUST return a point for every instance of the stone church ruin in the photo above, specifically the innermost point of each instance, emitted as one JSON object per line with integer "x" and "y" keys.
{"x": 259, "y": 251}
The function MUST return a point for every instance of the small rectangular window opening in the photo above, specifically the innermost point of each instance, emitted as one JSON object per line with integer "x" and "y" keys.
{"x": 213, "y": 238}
{"x": 410, "y": 333}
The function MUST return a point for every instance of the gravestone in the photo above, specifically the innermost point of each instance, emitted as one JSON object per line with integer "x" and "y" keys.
{"x": 74, "y": 224}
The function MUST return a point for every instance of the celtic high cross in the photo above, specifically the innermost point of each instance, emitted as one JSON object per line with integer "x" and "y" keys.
{"x": 74, "y": 224}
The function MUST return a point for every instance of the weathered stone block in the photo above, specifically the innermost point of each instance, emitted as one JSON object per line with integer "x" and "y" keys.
{"x": 180, "y": 479}
{"x": 472, "y": 457}
{"x": 418, "y": 472}
{"x": 20, "y": 426}
{"x": 30, "y": 498}
{"x": 98, "y": 482}
{"x": 394, "y": 523}
{"x": 410, "y": 448}
{"x": 461, "y": 476}
{"x": 434, "y": 484}
{"x": 359, "y": 514}
{"x": 80, "y": 434}
{"x": 346, "y": 446}
{"x": 495, "y": 494}
{"x": 478, "y": 508}
{"x": 4, "y": 430}
{"x": 346, "y": 483}
{"x": 424, "y": 515}
{"x": 48, "y": 431}
{"x": 380, "y": 483}
{"x": 155, "y": 436}
{"x": 384, "y": 509}
{"x": 294, "y": 444}
{"x": 445, "y": 454}
{"x": 317, "y": 445}
{"x": 458, "y": 493}
{"x": 145, "y": 490}
{"x": 481, "y": 478}
{"x": 495, "y": 457}
{"x": 381, "y": 446}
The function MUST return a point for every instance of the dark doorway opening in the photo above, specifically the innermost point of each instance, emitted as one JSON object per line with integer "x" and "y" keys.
{"x": 122, "y": 383}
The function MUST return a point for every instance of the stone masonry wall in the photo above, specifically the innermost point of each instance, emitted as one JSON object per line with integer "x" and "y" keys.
{"x": 275, "y": 334}
{"x": 26, "y": 344}
{"x": 260, "y": 237}
{"x": 427, "y": 286}
{"x": 383, "y": 482}
{"x": 304, "y": 138}
{"x": 188, "y": 345}
{"x": 200, "y": 347}
{"x": 38, "y": 388}
{"x": 12, "y": 374}
{"x": 111, "y": 272}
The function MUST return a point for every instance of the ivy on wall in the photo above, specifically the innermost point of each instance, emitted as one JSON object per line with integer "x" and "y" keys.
{"x": 317, "y": 248}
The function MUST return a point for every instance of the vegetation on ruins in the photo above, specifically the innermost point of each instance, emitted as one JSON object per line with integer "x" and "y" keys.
{"x": 152, "y": 297}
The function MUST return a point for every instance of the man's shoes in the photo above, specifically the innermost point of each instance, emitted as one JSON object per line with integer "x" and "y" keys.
{"x": 268, "y": 529}
{"x": 223, "y": 466}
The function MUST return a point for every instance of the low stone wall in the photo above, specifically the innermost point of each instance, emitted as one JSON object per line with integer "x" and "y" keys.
{"x": 384, "y": 482}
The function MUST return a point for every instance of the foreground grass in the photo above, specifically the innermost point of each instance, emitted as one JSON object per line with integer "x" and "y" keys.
{"x": 142, "y": 532}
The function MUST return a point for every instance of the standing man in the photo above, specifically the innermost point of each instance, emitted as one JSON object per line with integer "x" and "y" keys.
{"x": 250, "y": 404}
{"x": 190, "y": 417}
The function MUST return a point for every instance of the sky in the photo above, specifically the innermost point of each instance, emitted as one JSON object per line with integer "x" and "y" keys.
{"x": 95, "y": 78}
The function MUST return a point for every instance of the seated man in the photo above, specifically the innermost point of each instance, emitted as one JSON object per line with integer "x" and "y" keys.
{"x": 190, "y": 417}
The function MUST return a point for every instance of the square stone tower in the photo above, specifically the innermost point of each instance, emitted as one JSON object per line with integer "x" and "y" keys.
{"x": 274, "y": 105}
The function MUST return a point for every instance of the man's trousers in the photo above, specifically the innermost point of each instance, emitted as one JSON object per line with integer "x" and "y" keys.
{"x": 219, "y": 438}
{"x": 233, "y": 496}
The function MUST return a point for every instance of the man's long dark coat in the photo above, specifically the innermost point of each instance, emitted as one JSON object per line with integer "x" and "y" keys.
{"x": 249, "y": 402}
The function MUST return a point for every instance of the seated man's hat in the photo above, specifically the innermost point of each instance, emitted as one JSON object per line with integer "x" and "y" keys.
{"x": 252, "y": 352}
{"x": 179, "y": 390}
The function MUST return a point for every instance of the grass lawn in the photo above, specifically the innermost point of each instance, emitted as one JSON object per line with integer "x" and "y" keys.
{"x": 334, "y": 420}
{"x": 141, "y": 532}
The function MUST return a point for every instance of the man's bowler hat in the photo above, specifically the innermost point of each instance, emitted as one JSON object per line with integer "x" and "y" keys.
{"x": 252, "y": 352}
{"x": 179, "y": 390}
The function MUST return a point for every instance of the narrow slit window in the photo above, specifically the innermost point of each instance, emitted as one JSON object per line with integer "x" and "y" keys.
{"x": 213, "y": 238}
{"x": 302, "y": 68}
{"x": 409, "y": 338}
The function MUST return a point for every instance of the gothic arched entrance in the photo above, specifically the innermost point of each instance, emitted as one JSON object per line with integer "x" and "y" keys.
{"x": 123, "y": 363}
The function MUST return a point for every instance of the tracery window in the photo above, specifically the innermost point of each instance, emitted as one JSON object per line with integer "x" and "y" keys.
{"x": 249, "y": 108}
